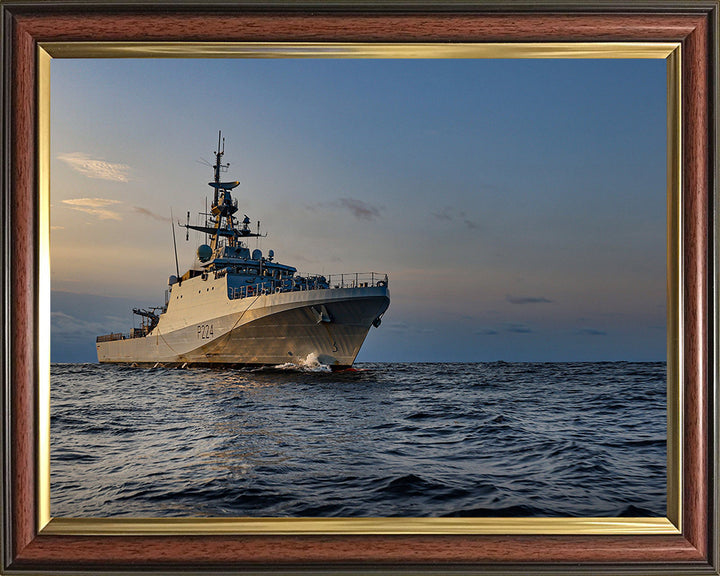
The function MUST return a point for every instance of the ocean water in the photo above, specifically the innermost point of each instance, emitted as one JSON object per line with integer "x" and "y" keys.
{"x": 402, "y": 439}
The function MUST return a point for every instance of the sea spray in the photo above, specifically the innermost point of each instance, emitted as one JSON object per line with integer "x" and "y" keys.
{"x": 310, "y": 364}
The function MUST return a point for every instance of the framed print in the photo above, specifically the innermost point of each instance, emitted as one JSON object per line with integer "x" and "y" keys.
{"x": 683, "y": 34}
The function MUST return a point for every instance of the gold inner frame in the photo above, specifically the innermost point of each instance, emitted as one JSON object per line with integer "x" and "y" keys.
{"x": 671, "y": 524}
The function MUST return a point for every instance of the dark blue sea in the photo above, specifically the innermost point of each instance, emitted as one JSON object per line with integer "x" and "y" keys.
{"x": 425, "y": 439}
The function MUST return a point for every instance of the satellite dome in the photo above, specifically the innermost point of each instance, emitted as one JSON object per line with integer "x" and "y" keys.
{"x": 204, "y": 252}
{"x": 256, "y": 254}
{"x": 271, "y": 255}
{"x": 172, "y": 280}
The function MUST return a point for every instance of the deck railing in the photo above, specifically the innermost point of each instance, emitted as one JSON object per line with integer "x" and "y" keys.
{"x": 134, "y": 333}
{"x": 306, "y": 282}
{"x": 357, "y": 280}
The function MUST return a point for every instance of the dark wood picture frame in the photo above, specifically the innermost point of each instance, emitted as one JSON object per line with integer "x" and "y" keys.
{"x": 27, "y": 24}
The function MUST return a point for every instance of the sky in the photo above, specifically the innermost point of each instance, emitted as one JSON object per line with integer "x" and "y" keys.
{"x": 518, "y": 206}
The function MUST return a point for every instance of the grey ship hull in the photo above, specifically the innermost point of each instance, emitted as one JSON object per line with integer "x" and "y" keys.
{"x": 273, "y": 329}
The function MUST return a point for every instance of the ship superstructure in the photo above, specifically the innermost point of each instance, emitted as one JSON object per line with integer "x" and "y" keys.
{"x": 239, "y": 307}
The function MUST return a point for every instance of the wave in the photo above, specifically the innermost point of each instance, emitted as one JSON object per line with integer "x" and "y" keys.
{"x": 514, "y": 511}
{"x": 400, "y": 439}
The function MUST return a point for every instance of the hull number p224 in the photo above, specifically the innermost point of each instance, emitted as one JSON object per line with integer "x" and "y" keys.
{"x": 205, "y": 331}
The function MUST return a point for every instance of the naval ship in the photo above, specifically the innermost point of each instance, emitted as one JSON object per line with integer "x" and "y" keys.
{"x": 241, "y": 308}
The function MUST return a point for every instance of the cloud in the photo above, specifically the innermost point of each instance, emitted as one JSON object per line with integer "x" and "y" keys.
{"x": 403, "y": 327}
{"x": 527, "y": 299}
{"x": 91, "y": 202}
{"x": 146, "y": 212}
{"x": 443, "y": 214}
{"x": 95, "y": 206}
{"x": 518, "y": 329}
{"x": 448, "y": 214}
{"x": 396, "y": 326}
{"x": 359, "y": 209}
{"x": 71, "y": 327}
{"x": 505, "y": 328}
{"x": 486, "y": 332}
{"x": 96, "y": 168}
{"x": 591, "y": 332}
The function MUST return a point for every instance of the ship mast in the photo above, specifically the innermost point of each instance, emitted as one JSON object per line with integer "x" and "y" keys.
{"x": 223, "y": 207}
{"x": 218, "y": 166}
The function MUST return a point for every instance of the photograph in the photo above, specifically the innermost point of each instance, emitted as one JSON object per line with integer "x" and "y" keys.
{"x": 359, "y": 287}
{"x": 352, "y": 287}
